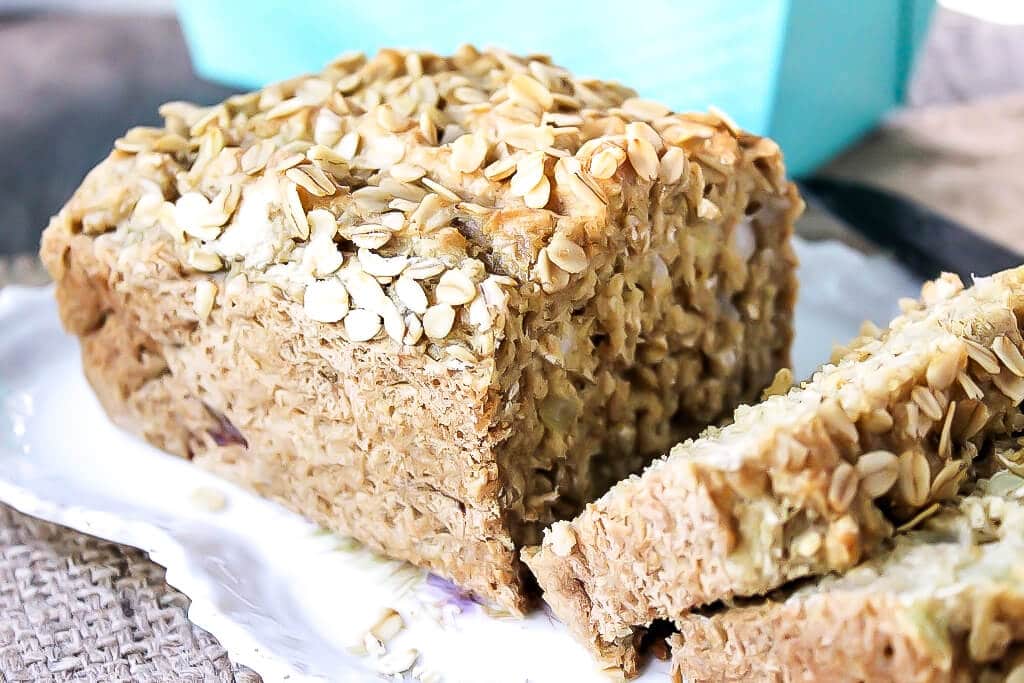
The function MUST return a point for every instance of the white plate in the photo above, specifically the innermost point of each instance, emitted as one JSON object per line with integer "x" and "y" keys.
{"x": 280, "y": 595}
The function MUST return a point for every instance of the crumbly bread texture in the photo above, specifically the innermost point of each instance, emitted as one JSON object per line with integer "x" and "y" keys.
{"x": 945, "y": 603}
{"x": 433, "y": 303}
{"x": 803, "y": 483}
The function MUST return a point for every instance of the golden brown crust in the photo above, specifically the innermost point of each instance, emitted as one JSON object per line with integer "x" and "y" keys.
{"x": 800, "y": 484}
{"x": 445, "y": 301}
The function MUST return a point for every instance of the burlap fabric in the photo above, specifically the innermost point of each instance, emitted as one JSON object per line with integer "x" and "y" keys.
{"x": 74, "y": 607}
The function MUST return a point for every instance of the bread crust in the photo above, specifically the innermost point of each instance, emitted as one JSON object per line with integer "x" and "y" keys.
{"x": 941, "y": 605}
{"x": 431, "y": 303}
{"x": 802, "y": 484}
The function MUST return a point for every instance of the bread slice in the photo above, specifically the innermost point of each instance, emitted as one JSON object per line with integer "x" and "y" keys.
{"x": 803, "y": 483}
{"x": 945, "y": 603}
{"x": 432, "y": 303}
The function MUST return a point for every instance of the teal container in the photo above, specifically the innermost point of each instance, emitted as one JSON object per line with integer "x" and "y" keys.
{"x": 813, "y": 74}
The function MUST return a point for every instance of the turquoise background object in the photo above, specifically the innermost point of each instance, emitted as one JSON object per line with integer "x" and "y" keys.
{"x": 813, "y": 74}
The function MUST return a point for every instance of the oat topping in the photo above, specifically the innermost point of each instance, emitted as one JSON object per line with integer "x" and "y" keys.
{"x": 878, "y": 471}
{"x": 363, "y": 325}
{"x": 455, "y": 288}
{"x": 411, "y": 294}
{"x": 203, "y": 260}
{"x": 206, "y": 292}
{"x": 375, "y": 159}
{"x": 438, "y": 320}
{"x": 326, "y": 301}
{"x": 563, "y": 540}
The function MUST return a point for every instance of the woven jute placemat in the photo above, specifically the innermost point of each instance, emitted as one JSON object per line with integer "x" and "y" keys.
{"x": 74, "y": 607}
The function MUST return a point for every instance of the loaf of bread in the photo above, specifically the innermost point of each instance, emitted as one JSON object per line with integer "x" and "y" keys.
{"x": 803, "y": 483}
{"x": 432, "y": 303}
{"x": 945, "y": 603}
